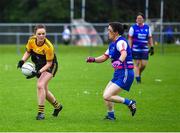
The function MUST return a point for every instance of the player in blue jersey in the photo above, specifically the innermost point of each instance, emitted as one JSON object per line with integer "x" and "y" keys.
{"x": 139, "y": 37}
{"x": 120, "y": 54}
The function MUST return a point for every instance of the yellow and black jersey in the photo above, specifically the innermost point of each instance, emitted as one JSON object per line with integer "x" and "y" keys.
{"x": 41, "y": 54}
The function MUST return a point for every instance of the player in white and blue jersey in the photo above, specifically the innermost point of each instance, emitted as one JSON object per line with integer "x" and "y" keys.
{"x": 139, "y": 37}
{"x": 121, "y": 58}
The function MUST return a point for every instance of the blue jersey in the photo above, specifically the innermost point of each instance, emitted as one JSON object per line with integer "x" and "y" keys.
{"x": 140, "y": 36}
{"x": 114, "y": 52}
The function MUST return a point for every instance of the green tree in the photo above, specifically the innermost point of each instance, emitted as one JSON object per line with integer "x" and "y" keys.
{"x": 96, "y": 10}
{"x": 37, "y": 11}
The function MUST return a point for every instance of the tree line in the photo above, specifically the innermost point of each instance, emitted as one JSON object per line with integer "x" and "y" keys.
{"x": 97, "y": 11}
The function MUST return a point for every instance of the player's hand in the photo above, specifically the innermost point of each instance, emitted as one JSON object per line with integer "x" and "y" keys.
{"x": 34, "y": 74}
{"x": 116, "y": 64}
{"x": 151, "y": 50}
{"x": 20, "y": 63}
{"x": 90, "y": 59}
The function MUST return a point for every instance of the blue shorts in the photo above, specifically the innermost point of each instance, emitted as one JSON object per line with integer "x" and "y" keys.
{"x": 123, "y": 78}
{"x": 140, "y": 55}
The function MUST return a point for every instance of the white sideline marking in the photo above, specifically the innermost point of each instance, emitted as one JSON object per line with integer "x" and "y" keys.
{"x": 158, "y": 80}
{"x": 86, "y": 92}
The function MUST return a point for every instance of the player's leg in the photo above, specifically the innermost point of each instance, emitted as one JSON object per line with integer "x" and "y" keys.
{"x": 57, "y": 106}
{"x": 111, "y": 94}
{"x": 137, "y": 62}
{"x": 110, "y": 106}
{"x": 143, "y": 65}
{"x": 137, "y": 65}
{"x": 41, "y": 93}
{"x": 143, "y": 62}
{"x": 49, "y": 96}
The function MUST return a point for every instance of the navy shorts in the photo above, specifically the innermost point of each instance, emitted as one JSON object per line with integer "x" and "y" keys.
{"x": 140, "y": 55}
{"x": 123, "y": 78}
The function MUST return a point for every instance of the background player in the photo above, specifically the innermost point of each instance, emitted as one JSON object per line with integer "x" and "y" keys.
{"x": 121, "y": 58}
{"x": 139, "y": 38}
{"x": 42, "y": 54}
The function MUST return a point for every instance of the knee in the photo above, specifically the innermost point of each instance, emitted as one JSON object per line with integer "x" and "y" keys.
{"x": 106, "y": 97}
{"x": 40, "y": 85}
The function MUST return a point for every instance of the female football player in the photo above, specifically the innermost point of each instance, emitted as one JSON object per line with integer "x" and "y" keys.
{"x": 41, "y": 51}
{"x": 120, "y": 54}
{"x": 139, "y": 38}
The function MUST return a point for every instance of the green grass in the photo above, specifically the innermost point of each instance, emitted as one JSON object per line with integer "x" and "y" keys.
{"x": 79, "y": 87}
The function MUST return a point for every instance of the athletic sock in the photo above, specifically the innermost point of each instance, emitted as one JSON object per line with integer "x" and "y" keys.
{"x": 56, "y": 105}
{"x": 127, "y": 101}
{"x": 111, "y": 114}
{"x": 40, "y": 108}
{"x": 138, "y": 79}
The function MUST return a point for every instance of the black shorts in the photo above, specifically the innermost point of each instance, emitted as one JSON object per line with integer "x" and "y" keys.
{"x": 53, "y": 69}
{"x": 140, "y": 55}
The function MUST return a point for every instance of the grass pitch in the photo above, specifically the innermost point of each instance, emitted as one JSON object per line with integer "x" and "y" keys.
{"x": 79, "y": 86}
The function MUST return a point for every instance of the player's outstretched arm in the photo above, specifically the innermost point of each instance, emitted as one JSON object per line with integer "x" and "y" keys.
{"x": 99, "y": 59}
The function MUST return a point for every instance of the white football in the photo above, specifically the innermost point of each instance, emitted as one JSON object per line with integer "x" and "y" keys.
{"x": 27, "y": 68}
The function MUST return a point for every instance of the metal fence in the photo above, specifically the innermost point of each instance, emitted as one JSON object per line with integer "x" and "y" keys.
{"x": 18, "y": 33}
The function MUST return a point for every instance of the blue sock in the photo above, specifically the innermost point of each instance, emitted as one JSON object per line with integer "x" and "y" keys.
{"x": 127, "y": 101}
{"x": 138, "y": 79}
{"x": 111, "y": 114}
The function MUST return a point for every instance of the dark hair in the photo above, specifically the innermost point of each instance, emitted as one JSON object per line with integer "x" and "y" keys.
{"x": 39, "y": 26}
{"x": 140, "y": 14}
{"x": 118, "y": 27}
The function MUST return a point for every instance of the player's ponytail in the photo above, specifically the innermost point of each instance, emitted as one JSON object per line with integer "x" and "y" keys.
{"x": 125, "y": 27}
